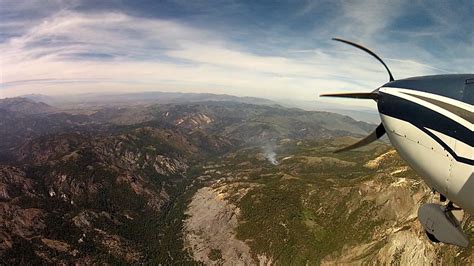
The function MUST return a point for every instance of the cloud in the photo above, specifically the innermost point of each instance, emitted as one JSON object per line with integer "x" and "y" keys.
{"x": 71, "y": 51}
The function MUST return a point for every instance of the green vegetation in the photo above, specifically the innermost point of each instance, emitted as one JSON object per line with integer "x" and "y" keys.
{"x": 119, "y": 194}
{"x": 299, "y": 212}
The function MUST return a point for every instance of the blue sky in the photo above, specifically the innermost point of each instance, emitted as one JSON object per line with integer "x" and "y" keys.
{"x": 273, "y": 49}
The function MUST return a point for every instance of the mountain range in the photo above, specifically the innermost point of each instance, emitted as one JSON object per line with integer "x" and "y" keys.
{"x": 91, "y": 100}
{"x": 201, "y": 179}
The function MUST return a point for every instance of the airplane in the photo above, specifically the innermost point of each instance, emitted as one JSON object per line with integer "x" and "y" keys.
{"x": 429, "y": 120}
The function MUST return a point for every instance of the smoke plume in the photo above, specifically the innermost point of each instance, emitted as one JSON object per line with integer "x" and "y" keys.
{"x": 270, "y": 154}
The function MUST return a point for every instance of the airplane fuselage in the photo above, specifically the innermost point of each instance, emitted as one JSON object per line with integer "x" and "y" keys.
{"x": 429, "y": 120}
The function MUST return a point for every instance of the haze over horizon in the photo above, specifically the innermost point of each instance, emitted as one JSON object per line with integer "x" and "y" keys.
{"x": 278, "y": 50}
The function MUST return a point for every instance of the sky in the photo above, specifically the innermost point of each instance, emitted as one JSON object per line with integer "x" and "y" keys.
{"x": 272, "y": 49}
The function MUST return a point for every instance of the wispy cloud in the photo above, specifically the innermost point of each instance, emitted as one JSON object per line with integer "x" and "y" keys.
{"x": 70, "y": 51}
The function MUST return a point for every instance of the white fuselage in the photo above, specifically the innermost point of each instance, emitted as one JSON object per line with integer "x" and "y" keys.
{"x": 433, "y": 154}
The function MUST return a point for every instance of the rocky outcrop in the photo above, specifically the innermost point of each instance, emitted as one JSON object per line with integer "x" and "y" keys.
{"x": 400, "y": 238}
{"x": 210, "y": 229}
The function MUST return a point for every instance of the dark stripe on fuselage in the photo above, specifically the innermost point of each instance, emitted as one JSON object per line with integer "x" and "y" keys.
{"x": 450, "y": 86}
{"x": 423, "y": 117}
{"x": 463, "y": 113}
{"x": 447, "y": 148}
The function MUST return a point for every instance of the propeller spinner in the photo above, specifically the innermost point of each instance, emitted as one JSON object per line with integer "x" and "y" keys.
{"x": 380, "y": 130}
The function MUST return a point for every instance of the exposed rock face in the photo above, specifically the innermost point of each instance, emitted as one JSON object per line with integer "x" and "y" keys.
{"x": 210, "y": 229}
{"x": 194, "y": 121}
{"x": 401, "y": 239}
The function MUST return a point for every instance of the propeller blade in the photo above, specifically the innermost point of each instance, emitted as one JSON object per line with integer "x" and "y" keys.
{"x": 356, "y": 95}
{"x": 375, "y": 135}
{"x": 369, "y": 52}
